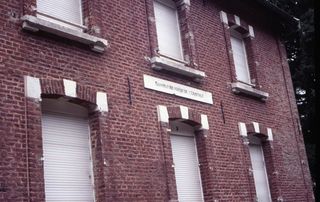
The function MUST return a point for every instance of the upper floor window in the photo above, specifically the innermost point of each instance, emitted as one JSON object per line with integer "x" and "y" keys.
{"x": 240, "y": 57}
{"x": 167, "y": 26}
{"x": 63, "y": 12}
{"x": 240, "y": 40}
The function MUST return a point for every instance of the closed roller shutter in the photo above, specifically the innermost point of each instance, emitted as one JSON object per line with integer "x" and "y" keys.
{"x": 259, "y": 173}
{"x": 186, "y": 168}
{"x": 168, "y": 32}
{"x": 67, "y": 10}
{"x": 67, "y": 162}
{"x": 240, "y": 59}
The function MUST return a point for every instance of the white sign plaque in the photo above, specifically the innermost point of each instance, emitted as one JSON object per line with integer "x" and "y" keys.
{"x": 179, "y": 90}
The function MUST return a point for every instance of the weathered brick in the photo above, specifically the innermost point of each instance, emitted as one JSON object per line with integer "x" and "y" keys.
{"x": 132, "y": 155}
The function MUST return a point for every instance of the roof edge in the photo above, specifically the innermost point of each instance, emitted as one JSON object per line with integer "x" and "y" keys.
{"x": 291, "y": 20}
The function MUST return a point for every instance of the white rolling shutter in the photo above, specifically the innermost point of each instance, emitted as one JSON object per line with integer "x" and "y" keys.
{"x": 259, "y": 173}
{"x": 240, "y": 59}
{"x": 186, "y": 167}
{"x": 67, "y": 158}
{"x": 168, "y": 32}
{"x": 67, "y": 10}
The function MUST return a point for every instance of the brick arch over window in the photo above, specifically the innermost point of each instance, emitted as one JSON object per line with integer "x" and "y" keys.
{"x": 83, "y": 95}
{"x": 190, "y": 116}
{"x": 271, "y": 155}
{"x": 200, "y": 123}
{"x": 86, "y": 96}
{"x": 258, "y": 130}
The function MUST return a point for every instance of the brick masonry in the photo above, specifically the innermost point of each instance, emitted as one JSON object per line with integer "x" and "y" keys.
{"x": 131, "y": 148}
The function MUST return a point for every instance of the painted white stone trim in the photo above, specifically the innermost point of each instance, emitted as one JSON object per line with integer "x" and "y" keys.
{"x": 270, "y": 135}
{"x": 256, "y": 127}
{"x": 239, "y": 87}
{"x": 32, "y": 87}
{"x": 102, "y": 102}
{"x": 184, "y": 112}
{"x": 70, "y": 88}
{"x": 184, "y": 2}
{"x": 35, "y": 24}
{"x": 179, "y": 67}
{"x": 204, "y": 122}
{"x": 224, "y": 17}
{"x": 237, "y": 20}
{"x": 251, "y": 32}
{"x": 163, "y": 115}
{"x": 243, "y": 129}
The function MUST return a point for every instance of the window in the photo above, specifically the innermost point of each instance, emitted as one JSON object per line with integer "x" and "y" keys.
{"x": 186, "y": 164}
{"x": 64, "y": 19}
{"x": 171, "y": 53}
{"x": 244, "y": 73}
{"x": 167, "y": 26}
{"x": 259, "y": 170}
{"x": 67, "y": 13}
{"x": 240, "y": 57}
{"x": 68, "y": 171}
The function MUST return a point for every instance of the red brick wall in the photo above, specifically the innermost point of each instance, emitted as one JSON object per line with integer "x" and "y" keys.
{"x": 130, "y": 135}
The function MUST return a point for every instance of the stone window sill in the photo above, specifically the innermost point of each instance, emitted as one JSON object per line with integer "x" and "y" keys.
{"x": 35, "y": 24}
{"x": 238, "y": 88}
{"x": 162, "y": 63}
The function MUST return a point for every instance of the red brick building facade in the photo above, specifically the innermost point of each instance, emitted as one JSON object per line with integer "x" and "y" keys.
{"x": 134, "y": 95}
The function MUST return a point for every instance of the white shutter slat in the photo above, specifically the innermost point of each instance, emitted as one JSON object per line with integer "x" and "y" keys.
{"x": 70, "y": 11}
{"x": 186, "y": 168}
{"x": 259, "y": 173}
{"x": 67, "y": 164}
{"x": 168, "y": 32}
{"x": 240, "y": 59}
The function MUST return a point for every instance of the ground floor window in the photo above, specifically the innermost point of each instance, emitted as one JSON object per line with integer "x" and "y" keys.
{"x": 67, "y": 152}
{"x": 186, "y": 164}
{"x": 259, "y": 170}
